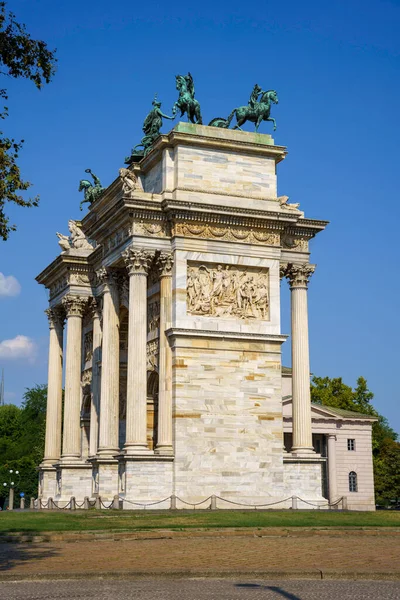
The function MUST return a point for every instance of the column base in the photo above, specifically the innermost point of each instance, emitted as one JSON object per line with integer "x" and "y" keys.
{"x": 68, "y": 459}
{"x": 164, "y": 449}
{"x": 305, "y": 452}
{"x": 135, "y": 449}
{"x": 107, "y": 453}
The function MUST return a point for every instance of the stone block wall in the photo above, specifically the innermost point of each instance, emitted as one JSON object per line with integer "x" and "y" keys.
{"x": 227, "y": 419}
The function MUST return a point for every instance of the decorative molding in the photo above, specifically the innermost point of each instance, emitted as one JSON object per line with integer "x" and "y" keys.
{"x": 216, "y": 290}
{"x": 59, "y": 285}
{"x": 75, "y": 306}
{"x": 78, "y": 278}
{"x": 299, "y": 275}
{"x": 88, "y": 346}
{"x": 138, "y": 262}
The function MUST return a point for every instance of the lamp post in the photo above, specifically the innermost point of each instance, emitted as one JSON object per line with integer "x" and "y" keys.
{"x": 13, "y": 475}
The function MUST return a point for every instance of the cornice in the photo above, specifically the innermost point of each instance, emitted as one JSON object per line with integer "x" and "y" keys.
{"x": 225, "y": 335}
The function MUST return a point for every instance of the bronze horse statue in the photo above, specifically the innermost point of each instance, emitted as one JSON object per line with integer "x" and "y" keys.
{"x": 256, "y": 111}
{"x": 186, "y": 101}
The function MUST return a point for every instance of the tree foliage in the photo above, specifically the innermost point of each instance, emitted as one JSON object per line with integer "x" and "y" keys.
{"x": 20, "y": 57}
{"x": 385, "y": 448}
{"x": 22, "y": 435}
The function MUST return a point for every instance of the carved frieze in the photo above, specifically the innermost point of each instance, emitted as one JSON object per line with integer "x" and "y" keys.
{"x": 215, "y": 290}
{"x": 152, "y": 355}
{"x": 153, "y": 315}
{"x": 290, "y": 242}
{"x": 230, "y": 233}
{"x": 150, "y": 229}
{"x": 58, "y": 286}
{"x": 88, "y": 346}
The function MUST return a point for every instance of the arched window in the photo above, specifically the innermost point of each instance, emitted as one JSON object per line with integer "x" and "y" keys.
{"x": 352, "y": 481}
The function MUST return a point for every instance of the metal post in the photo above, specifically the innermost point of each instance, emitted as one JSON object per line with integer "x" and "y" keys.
{"x": 173, "y": 502}
{"x": 213, "y": 502}
{"x": 294, "y": 502}
{"x": 11, "y": 499}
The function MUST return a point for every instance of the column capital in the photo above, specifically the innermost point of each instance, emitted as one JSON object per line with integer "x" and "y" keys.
{"x": 138, "y": 261}
{"x": 107, "y": 276}
{"x": 96, "y": 307}
{"x": 282, "y": 270}
{"x": 331, "y": 436}
{"x": 164, "y": 264}
{"x": 56, "y": 317}
{"x": 299, "y": 275}
{"x": 74, "y": 305}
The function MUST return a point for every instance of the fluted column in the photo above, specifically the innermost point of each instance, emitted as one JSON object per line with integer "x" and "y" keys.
{"x": 74, "y": 306}
{"x": 165, "y": 263}
{"x": 52, "y": 449}
{"x": 109, "y": 395}
{"x": 138, "y": 263}
{"x": 332, "y": 480}
{"x": 96, "y": 356}
{"x": 299, "y": 276}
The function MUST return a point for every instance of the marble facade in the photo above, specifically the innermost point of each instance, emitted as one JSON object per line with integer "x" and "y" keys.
{"x": 171, "y": 314}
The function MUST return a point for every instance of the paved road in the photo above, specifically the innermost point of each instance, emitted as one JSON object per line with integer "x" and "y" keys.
{"x": 200, "y": 589}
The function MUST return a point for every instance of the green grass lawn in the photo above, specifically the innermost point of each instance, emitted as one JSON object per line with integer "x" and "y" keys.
{"x": 107, "y": 520}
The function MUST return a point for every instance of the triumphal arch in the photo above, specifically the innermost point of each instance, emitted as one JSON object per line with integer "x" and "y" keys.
{"x": 165, "y": 311}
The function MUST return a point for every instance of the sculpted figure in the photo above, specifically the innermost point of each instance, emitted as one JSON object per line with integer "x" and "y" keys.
{"x": 283, "y": 200}
{"x": 151, "y": 128}
{"x": 77, "y": 240}
{"x": 129, "y": 181}
{"x": 90, "y": 190}
{"x": 257, "y": 110}
{"x": 186, "y": 101}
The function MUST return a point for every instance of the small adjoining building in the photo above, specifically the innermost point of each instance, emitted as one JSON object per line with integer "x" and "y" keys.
{"x": 165, "y": 310}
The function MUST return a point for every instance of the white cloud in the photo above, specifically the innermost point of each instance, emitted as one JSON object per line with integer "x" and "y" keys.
{"x": 19, "y": 347}
{"x": 9, "y": 285}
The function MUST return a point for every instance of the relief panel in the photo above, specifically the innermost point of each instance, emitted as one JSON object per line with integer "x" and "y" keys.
{"x": 216, "y": 290}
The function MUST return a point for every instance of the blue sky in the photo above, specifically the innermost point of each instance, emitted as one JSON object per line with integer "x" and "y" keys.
{"x": 336, "y": 69}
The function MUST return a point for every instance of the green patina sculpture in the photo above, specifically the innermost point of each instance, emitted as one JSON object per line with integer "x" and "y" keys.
{"x": 186, "y": 101}
{"x": 91, "y": 191}
{"x": 151, "y": 128}
{"x": 256, "y": 111}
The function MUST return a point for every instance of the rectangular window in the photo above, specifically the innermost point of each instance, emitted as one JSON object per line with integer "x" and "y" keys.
{"x": 351, "y": 444}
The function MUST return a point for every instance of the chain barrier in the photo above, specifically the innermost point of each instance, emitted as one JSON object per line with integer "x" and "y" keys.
{"x": 147, "y": 504}
{"x": 254, "y": 505}
{"x": 194, "y": 504}
{"x": 92, "y": 503}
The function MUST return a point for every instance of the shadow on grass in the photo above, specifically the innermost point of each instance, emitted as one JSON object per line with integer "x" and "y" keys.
{"x": 16, "y": 553}
{"x": 273, "y": 588}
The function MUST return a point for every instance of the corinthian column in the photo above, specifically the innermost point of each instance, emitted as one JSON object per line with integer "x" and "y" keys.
{"x": 109, "y": 396}
{"x": 75, "y": 307}
{"x": 299, "y": 276}
{"x": 52, "y": 449}
{"x": 165, "y": 263}
{"x": 95, "y": 405}
{"x": 138, "y": 263}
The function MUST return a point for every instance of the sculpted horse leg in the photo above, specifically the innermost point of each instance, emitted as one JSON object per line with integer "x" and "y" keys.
{"x": 273, "y": 120}
{"x": 258, "y": 122}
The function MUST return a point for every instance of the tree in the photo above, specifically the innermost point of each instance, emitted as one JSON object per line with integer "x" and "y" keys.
{"x": 20, "y": 57}
{"x": 22, "y": 436}
{"x": 385, "y": 448}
